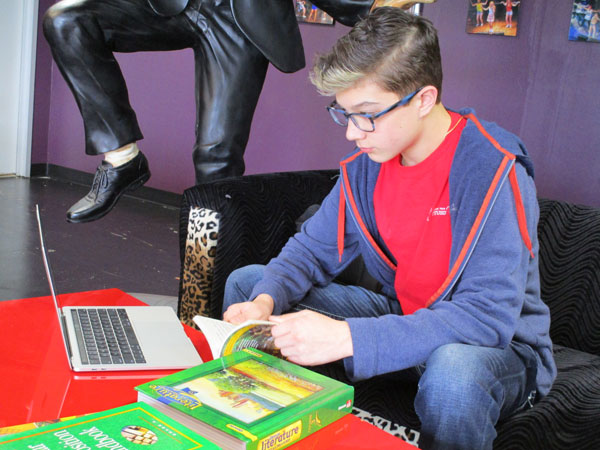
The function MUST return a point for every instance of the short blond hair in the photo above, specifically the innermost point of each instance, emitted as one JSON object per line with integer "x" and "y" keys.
{"x": 396, "y": 49}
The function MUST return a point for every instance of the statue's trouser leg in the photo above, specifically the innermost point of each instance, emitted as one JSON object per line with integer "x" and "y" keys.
{"x": 230, "y": 72}
{"x": 83, "y": 35}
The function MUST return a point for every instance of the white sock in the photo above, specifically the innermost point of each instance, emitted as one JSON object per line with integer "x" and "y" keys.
{"x": 122, "y": 155}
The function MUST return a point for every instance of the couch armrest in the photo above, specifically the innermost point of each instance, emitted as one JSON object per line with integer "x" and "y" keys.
{"x": 249, "y": 220}
{"x": 569, "y": 238}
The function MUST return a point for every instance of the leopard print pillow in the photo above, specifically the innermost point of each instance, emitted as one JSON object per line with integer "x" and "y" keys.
{"x": 198, "y": 263}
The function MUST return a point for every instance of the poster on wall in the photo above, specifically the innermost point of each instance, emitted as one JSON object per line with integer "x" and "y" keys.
{"x": 307, "y": 12}
{"x": 585, "y": 21}
{"x": 493, "y": 17}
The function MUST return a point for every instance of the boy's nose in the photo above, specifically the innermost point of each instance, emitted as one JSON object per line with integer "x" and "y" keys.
{"x": 353, "y": 133}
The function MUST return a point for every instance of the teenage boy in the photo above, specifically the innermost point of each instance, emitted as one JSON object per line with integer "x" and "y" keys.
{"x": 442, "y": 207}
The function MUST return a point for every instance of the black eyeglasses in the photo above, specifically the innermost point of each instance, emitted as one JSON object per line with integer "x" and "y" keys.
{"x": 364, "y": 122}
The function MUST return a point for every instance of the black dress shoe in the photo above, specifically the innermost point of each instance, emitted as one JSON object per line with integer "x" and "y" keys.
{"x": 108, "y": 186}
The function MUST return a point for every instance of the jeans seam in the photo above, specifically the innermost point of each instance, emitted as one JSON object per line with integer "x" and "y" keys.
{"x": 326, "y": 313}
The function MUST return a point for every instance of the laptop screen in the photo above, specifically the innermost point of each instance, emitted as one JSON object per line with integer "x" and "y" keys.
{"x": 51, "y": 283}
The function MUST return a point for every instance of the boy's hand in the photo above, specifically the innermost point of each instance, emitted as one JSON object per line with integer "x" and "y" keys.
{"x": 258, "y": 309}
{"x": 309, "y": 338}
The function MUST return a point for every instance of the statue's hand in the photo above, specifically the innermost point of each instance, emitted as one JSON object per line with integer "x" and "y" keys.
{"x": 404, "y": 4}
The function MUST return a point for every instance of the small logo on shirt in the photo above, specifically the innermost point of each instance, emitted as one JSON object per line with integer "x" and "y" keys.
{"x": 439, "y": 211}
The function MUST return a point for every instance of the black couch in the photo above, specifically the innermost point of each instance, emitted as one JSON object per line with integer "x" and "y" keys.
{"x": 230, "y": 223}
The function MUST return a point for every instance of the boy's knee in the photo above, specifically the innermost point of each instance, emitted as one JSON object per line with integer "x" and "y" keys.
{"x": 455, "y": 379}
{"x": 245, "y": 275}
{"x": 240, "y": 283}
{"x": 458, "y": 401}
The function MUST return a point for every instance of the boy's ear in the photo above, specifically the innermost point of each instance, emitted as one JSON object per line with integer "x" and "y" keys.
{"x": 427, "y": 100}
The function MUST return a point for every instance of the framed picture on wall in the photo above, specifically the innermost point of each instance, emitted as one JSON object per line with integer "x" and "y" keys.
{"x": 493, "y": 17}
{"x": 307, "y": 12}
{"x": 585, "y": 21}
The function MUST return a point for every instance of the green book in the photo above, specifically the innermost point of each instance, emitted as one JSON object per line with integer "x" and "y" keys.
{"x": 250, "y": 400}
{"x": 128, "y": 427}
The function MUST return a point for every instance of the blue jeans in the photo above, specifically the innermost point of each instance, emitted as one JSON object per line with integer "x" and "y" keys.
{"x": 463, "y": 389}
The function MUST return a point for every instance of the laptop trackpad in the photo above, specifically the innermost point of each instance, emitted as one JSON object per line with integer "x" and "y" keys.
{"x": 162, "y": 337}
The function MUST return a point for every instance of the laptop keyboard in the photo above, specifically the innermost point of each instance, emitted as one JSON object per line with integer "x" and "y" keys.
{"x": 105, "y": 336}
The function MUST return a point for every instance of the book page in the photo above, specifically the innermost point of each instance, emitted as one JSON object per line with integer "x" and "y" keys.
{"x": 215, "y": 331}
{"x": 225, "y": 338}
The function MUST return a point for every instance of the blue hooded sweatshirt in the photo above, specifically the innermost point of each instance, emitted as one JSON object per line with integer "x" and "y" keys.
{"x": 491, "y": 295}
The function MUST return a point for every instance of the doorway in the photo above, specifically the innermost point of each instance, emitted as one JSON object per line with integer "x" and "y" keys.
{"x": 18, "y": 34}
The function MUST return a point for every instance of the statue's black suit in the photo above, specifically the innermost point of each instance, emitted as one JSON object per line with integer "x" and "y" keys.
{"x": 233, "y": 42}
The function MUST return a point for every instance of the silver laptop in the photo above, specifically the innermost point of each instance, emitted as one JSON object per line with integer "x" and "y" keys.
{"x": 120, "y": 337}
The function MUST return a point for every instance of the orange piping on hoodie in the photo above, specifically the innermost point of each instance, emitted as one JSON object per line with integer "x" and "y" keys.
{"x": 472, "y": 232}
{"x": 521, "y": 217}
{"x": 361, "y": 224}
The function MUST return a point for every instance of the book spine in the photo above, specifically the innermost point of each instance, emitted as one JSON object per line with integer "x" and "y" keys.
{"x": 319, "y": 415}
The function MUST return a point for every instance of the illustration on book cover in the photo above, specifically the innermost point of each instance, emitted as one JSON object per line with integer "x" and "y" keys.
{"x": 247, "y": 391}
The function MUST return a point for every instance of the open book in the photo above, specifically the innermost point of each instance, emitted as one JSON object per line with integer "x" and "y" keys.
{"x": 225, "y": 338}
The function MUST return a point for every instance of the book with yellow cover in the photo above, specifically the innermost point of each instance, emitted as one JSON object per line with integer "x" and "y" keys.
{"x": 250, "y": 400}
{"x": 127, "y": 427}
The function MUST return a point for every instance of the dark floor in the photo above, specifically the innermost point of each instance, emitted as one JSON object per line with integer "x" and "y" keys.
{"x": 134, "y": 248}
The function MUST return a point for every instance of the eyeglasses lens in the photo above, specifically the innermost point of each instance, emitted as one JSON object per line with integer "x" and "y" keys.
{"x": 338, "y": 117}
{"x": 361, "y": 122}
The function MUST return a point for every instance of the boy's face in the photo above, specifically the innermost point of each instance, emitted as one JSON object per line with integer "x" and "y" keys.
{"x": 395, "y": 132}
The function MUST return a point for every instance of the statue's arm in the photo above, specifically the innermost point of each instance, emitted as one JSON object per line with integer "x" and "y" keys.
{"x": 168, "y": 7}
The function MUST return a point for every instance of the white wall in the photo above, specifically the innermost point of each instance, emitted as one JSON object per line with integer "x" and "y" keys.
{"x": 18, "y": 22}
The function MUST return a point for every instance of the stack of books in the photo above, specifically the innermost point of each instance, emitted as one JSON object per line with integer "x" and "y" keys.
{"x": 250, "y": 400}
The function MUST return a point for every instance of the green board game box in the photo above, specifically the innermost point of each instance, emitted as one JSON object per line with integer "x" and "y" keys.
{"x": 250, "y": 400}
{"x": 128, "y": 427}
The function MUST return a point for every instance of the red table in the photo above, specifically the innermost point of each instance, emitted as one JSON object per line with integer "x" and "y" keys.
{"x": 37, "y": 383}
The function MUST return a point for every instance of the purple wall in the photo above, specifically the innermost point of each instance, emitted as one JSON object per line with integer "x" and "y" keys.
{"x": 539, "y": 85}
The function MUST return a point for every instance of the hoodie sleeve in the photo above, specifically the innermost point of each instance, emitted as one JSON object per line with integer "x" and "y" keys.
{"x": 309, "y": 258}
{"x": 483, "y": 309}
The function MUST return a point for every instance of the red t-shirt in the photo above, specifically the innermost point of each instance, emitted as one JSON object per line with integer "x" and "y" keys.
{"x": 412, "y": 211}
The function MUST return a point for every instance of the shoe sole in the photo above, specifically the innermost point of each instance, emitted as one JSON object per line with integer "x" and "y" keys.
{"x": 131, "y": 187}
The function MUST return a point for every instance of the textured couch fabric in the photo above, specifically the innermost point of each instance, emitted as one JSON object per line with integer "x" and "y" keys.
{"x": 233, "y": 222}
